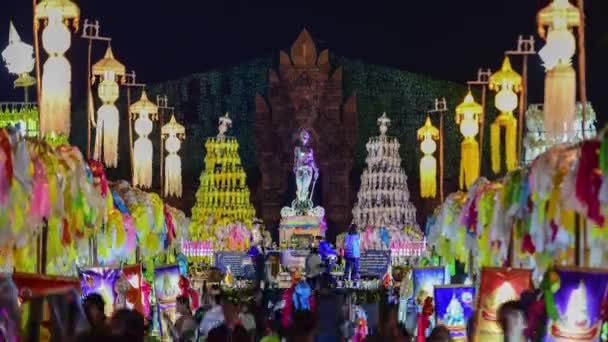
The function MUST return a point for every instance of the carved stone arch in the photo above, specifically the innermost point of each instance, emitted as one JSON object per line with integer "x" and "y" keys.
{"x": 318, "y": 105}
{"x": 304, "y": 50}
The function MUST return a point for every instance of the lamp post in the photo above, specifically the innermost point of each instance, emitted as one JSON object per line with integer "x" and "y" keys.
{"x": 506, "y": 82}
{"x": 173, "y": 133}
{"x": 19, "y": 60}
{"x": 143, "y": 112}
{"x": 110, "y": 72}
{"x": 525, "y": 48}
{"x": 90, "y": 31}
{"x": 483, "y": 78}
{"x": 54, "y": 97}
{"x": 467, "y": 116}
{"x": 163, "y": 104}
{"x": 130, "y": 81}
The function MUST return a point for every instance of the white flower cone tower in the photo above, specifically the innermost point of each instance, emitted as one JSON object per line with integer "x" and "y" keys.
{"x": 383, "y": 200}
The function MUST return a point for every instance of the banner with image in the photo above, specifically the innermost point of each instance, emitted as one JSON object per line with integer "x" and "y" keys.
{"x": 130, "y": 293}
{"x": 102, "y": 281}
{"x": 426, "y": 278}
{"x": 166, "y": 288}
{"x": 454, "y": 305}
{"x": 497, "y": 286}
{"x": 578, "y": 303}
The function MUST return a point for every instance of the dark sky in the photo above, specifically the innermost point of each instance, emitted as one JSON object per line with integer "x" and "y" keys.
{"x": 446, "y": 39}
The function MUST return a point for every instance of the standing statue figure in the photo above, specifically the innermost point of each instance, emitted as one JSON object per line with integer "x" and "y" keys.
{"x": 306, "y": 172}
{"x": 305, "y": 169}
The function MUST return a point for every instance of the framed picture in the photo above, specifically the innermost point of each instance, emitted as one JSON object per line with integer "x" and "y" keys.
{"x": 498, "y": 286}
{"x": 166, "y": 287}
{"x": 578, "y": 302}
{"x": 426, "y": 278}
{"x": 454, "y": 306}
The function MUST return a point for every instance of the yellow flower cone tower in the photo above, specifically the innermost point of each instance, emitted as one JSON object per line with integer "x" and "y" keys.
{"x": 506, "y": 82}
{"x": 223, "y": 196}
{"x": 467, "y": 116}
{"x": 427, "y": 134}
{"x": 555, "y": 23}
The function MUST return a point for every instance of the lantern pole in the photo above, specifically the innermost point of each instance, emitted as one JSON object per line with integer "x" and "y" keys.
{"x": 90, "y": 31}
{"x": 36, "y": 25}
{"x": 582, "y": 67}
{"x": 162, "y": 102}
{"x": 130, "y": 81}
{"x": 525, "y": 48}
{"x": 440, "y": 108}
{"x": 483, "y": 79}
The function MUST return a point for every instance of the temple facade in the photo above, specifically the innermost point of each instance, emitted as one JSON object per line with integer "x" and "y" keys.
{"x": 304, "y": 92}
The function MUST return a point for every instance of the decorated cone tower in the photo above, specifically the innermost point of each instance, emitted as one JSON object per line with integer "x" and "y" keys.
{"x": 383, "y": 209}
{"x": 223, "y": 211}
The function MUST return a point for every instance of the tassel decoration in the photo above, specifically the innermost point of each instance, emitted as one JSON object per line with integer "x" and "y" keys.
{"x": 173, "y": 175}
{"x": 509, "y": 122}
{"x": 142, "y": 162}
{"x": 106, "y": 136}
{"x": 560, "y": 102}
{"x": 469, "y": 163}
{"x": 428, "y": 177}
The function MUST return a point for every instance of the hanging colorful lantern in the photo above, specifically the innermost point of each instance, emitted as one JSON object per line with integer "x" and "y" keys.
{"x": 427, "y": 134}
{"x": 467, "y": 116}
{"x": 57, "y": 73}
{"x": 506, "y": 82}
{"x": 110, "y": 72}
{"x": 19, "y": 59}
{"x": 173, "y": 132}
{"x": 146, "y": 111}
{"x": 555, "y": 23}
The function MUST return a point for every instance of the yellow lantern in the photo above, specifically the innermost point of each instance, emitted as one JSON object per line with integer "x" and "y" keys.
{"x": 427, "y": 134}
{"x": 145, "y": 111}
{"x": 57, "y": 74}
{"x": 467, "y": 116}
{"x": 506, "y": 82}
{"x": 555, "y": 24}
{"x": 110, "y": 72}
{"x": 173, "y": 132}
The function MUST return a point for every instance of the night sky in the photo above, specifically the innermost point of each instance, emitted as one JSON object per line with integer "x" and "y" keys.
{"x": 446, "y": 39}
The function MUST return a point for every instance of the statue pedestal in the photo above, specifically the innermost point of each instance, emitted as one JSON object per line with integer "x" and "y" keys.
{"x": 300, "y": 231}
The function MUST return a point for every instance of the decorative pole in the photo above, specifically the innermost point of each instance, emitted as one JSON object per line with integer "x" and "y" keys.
{"x": 440, "y": 108}
{"x": 582, "y": 64}
{"x": 90, "y": 31}
{"x": 129, "y": 83}
{"x": 525, "y": 48}
{"x": 163, "y": 104}
{"x": 483, "y": 79}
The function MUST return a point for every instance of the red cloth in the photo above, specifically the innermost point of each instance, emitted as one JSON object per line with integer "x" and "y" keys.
{"x": 589, "y": 181}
